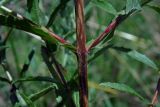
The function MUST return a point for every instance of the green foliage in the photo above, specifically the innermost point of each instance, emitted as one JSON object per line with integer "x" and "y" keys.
{"x": 28, "y": 102}
{"x": 132, "y": 5}
{"x": 142, "y": 58}
{"x": 105, "y": 5}
{"x": 33, "y": 67}
{"x": 41, "y": 93}
{"x": 30, "y": 5}
{"x": 155, "y": 7}
{"x": 33, "y": 8}
{"x": 138, "y": 56}
{"x": 121, "y": 87}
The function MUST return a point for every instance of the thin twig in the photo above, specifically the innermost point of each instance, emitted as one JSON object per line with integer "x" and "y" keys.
{"x": 111, "y": 27}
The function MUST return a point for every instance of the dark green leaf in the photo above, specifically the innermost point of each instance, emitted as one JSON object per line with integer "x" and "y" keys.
{"x": 26, "y": 65}
{"x": 121, "y": 87}
{"x": 145, "y": 2}
{"x": 53, "y": 16}
{"x": 137, "y": 56}
{"x": 41, "y": 93}
{"x": 38, "y": 78}
{"x": 95, "y": 52}
{"x": 35, "y": 11}
{"x": 132, "y": 5}
{"x": 142, "y": 58}
{"x": 154, "y": 7}
{"x": 105, "y": 5}
{"x": 2, "y": 79}
{"x": 46, "y": 57}
{"x": 109, "y": 36}
{"x": 123, "y": 49}
{"x": 15, "y": 20}
{"x": 29, "y": 5}
{"x": 27, "y": 100}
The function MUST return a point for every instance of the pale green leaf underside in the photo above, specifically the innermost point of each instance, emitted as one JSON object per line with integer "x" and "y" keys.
{"x": 132, "y": 5}
{"x": 121, "y": 87}
{"x": 142, "y": 58}
{"x": 105, "y": 5}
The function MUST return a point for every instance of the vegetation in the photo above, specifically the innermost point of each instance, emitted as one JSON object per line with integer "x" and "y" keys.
{"x": 79, "y": 53}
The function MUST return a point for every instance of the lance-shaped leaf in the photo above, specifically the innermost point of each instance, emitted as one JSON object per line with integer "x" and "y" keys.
{"x": 28, "y": 102}
{"x": 29, "y": 5}
{"x": 26, "y": 65}
{"x": 53, "y": 16}
{"x": 155, "y": 7}
{"x": 2, "y": 79}
{"x": 34, "y": 10}
{"x": 95, "y": 52}
{"x": 121, "y": 87}
{"x": 37, "y": 78}
{"x": 14, "y": 20}
{"x": 41, "y": 93}
{"x": 132, "y": 5}
{"x": 137, "y": 56}
{"x": 142, "y": 58}
{"x": 105, "y": 5}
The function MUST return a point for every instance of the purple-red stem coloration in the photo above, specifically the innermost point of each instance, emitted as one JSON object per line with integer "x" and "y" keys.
{"x": 111, "y": 27}
{"x": 81, "y": 53}
{"x": 61, "y": 40}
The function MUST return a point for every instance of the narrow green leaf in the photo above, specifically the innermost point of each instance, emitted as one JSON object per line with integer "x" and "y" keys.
{"x": 27, "y": 100}
{"x": 41, "y": 93}
{"x": 155, "y": 7}
{"x": 95, "y": 52}
{"x": 121, "y": 87}
{"x": 38, "y": 78}
{"x": 76, "y": 98}
{"x": 109, "y": 36}
{"x": 53, "y": 16}
{"x": 105, "y": 5}
{"x": 132, "y": 5}
{"x": 123, "y": 49}
{"x": 2, "y": 79}
{"x": 96, "y": 86}
{"x": 35, "y": 11}
{"x": 142, "y": 58}
{"x": 137, "y": 56}
{"x": 29, "y": 5}
{"x": 28, "y": 62}
{"x": 14, "y": 20}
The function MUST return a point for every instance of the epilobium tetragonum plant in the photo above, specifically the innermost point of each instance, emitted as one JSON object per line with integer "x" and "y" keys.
{"x": 82, "y": 50}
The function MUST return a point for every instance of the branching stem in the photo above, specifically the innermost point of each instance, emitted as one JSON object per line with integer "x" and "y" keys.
{"x": 81, "y": 53}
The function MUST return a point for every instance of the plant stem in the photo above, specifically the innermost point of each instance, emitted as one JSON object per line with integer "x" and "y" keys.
{"x": 83, "y": 89}
{"x": 81, "y": 53}
{"x": 112, "y": 26}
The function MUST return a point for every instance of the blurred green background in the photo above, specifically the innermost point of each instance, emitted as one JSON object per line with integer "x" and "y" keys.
{"x": 141, "y": 32}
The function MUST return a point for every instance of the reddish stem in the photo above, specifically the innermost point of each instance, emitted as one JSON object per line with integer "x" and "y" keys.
{"x": 60, "y": 39}
{"x": 111, "y": 27}
{"x": 81, "y": 53}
